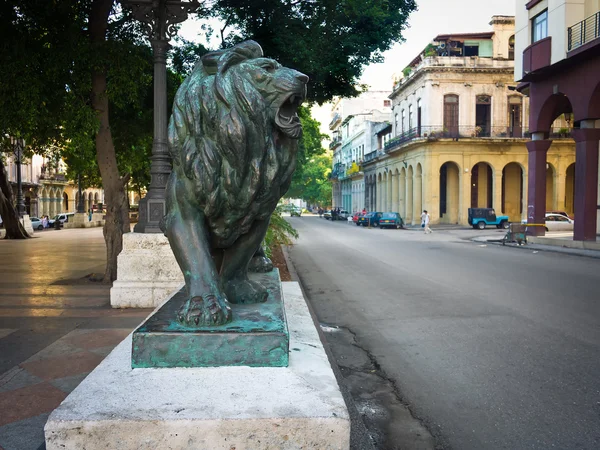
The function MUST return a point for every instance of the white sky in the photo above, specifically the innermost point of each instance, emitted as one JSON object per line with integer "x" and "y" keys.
{"x": 432, "y": 18}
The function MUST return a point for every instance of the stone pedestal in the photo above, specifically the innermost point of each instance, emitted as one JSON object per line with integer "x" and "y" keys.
{"x": 147, "y": 272}
{"x": 27, "y": 224}
{"x": 213, "y": 408}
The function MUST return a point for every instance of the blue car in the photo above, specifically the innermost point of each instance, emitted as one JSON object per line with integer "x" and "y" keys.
{"x": 370, "y": 219}
{"x": 391, "y": 220}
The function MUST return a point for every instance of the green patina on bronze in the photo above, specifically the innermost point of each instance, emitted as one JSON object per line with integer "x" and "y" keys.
{"x": 257, "y": 337}
{"x": 233, "y": 137}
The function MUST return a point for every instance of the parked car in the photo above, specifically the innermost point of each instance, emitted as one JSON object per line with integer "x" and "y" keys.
{"x": 327, "y": 214}
{"x": 295, "y": 211}
{"x": 62, "y": 218}
{"x": 482, "y": 217}
{"x": 343, "y": 215}
{"x": 562, "y": 213}
{"x": 369, "y": 219}
{"x": 558, "y": 222}
{"x": 391, "y": 220}
{"x": 36, "y": 223}
{"x": 355, "y": 217}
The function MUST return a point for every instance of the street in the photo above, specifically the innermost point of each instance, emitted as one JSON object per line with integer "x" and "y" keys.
{"x": 491, "y": 347}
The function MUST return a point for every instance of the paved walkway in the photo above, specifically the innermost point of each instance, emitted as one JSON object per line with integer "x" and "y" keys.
{"x": 55, "y": 327}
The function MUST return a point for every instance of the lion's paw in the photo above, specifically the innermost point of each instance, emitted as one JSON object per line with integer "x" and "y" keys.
{"x": 206, "y": 310}
{"x": 260, "y": 264}
{"x": 245, "y": 291}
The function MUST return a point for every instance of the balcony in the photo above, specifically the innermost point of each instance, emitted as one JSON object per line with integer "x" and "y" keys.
{"x": 335, "y": 142}
{"x": 537, "y": 55}
{"x": 455, "y": 63}
{"x": 335, "y": 120}
{"x": 584, "y": 32}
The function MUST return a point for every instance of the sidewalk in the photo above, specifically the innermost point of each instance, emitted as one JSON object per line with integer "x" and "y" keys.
{"x": 55, "y": 327}
{"x": 553, "y": 242}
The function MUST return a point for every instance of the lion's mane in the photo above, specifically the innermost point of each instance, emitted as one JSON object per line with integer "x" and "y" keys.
{"x": 223, "y": 139}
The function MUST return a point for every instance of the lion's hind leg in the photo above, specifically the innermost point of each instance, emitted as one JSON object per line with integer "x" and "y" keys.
{"x": 185, "y": 229}
{"x": 234, "y": 270}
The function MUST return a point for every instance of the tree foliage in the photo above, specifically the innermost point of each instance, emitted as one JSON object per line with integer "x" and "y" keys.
{"x": 331, "y": 41}
{"x": 310, "y": 181}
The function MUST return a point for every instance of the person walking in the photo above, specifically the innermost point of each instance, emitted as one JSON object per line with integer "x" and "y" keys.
{"x": 426, "y": 222}
{"x": 423, "y": 215}
{"x": 45, "y": 222}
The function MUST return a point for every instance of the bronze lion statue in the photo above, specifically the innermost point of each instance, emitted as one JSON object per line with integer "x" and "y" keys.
{"x": 233, "y": 137}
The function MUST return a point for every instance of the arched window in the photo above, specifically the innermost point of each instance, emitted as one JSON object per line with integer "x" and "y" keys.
{"x": 483, "y": 115}
{"x": 511, "y": 48}
{"x": 451, "y": 114}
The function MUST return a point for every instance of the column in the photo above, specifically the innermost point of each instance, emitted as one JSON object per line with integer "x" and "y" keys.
{"x": 536, "y": 183}
{"x": 586, "y": 181}
{"x": 402, "y": 195}
{"x": 395, "y": 207}
{"x": 497, "y": 199}
{"x": 390, "y": 195}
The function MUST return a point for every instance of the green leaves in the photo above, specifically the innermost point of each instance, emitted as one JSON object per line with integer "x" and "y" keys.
{"x": 331, "y": 41}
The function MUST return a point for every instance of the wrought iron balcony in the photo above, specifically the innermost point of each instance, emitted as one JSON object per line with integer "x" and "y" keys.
{"x": 583, "y": 32}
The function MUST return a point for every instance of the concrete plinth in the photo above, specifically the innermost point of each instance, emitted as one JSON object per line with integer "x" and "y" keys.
{"x": 82, "y": 220}
{"x": 147, "y": 272}
{"x": 26, "y": 221}
{"x": 216, "y": 408}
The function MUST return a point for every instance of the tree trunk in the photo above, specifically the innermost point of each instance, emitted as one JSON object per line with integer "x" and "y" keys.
{"x": 117, "y": 209}
{"x": 8, "y": 212}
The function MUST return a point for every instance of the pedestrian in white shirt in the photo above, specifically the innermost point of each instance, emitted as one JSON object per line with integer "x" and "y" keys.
{"x": 426, "y": 222}
{"x": 423, "y": 215}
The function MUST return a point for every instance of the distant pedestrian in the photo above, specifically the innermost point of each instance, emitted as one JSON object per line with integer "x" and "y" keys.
{"x": 364, "y": 211}
{"x": 90, "y": 215}
{"x": 427, "y": 219}
{"x": 45, "y": 222}
{"x": 423, "y": 215}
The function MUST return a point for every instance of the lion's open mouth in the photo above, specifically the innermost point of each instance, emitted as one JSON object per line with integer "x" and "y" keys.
{"x": 287, "y": 116}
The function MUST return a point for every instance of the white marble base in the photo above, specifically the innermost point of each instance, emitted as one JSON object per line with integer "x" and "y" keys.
{"x": 26, "y": 221}
{"x": 82, "y": 220}
{"x": 147, "y": 272}
{"x": 217, "y": 408}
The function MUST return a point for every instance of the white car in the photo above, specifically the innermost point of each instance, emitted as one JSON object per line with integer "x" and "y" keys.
{"x": 558, "y": 222}
{"x": 36, "y": 223}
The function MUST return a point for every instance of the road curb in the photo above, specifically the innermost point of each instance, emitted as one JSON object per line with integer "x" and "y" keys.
{"x": 359, "y": 434}
{"x": 542, "y": 248}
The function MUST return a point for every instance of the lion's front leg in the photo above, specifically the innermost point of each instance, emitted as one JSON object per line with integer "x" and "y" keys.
{"x": 185, "y": 229}
{"x": 234, "y": 271}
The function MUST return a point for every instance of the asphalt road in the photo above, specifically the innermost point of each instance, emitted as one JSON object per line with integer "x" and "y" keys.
{"x": 492, "y": 347}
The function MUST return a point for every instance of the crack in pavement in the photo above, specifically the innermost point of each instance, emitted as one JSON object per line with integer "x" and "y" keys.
{"x": 389, "y": 421}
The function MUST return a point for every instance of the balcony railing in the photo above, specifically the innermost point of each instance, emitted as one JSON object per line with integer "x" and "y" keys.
{"x": 585, "y": 31}
{"x": 335, "y": 142}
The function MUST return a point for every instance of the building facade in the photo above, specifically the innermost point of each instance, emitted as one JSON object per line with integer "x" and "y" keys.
{"x": 459, "y": 130}
{"x": 558, "y": 67}
{"x": 46, "y": 191}
{"x": 351, "y": 126}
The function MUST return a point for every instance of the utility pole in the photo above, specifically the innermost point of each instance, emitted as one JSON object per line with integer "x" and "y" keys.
{"x": 159, "y": 18}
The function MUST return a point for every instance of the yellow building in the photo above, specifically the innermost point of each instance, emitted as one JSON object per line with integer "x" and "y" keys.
{"x": 458, "y": 136}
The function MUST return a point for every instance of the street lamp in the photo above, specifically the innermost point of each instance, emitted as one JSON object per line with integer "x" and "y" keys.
{"x": 80, "y": 209}
{"x": 18, "y": 145}
{"x": 159, "y": 18}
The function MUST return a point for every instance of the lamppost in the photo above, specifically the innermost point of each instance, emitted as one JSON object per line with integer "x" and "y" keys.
{"x": 159, "y": 18}
{"x": 80, "y": 195}
{"x": 18, "y": 145}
